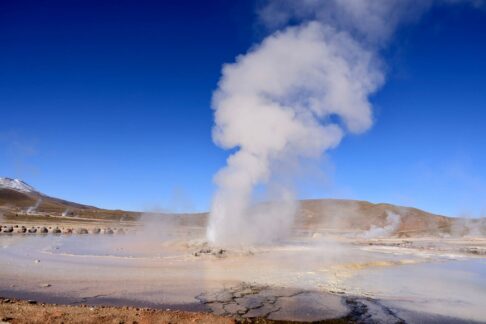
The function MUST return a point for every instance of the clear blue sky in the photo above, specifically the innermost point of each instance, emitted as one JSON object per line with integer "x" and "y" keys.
{"x": 108, "y": 103}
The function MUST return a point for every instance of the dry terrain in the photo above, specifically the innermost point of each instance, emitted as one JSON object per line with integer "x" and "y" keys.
{"x": 18, "y": 311}
{"x": 339, "y": 265}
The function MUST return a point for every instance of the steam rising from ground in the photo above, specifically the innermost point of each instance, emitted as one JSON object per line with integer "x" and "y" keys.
{"x": 33, "y": 208}
{"x": 293, "y": 97}
{"x": 391, "y": 226}
{"x": 277, "y": 103}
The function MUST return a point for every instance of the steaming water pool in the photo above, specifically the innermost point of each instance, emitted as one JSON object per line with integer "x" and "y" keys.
{"x": 137, "y": 270}
{"x": 455, "y": 288}
{"x": 116, "y": 246}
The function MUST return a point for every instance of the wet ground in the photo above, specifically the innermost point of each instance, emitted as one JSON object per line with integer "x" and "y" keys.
{"x": 308, "y": 278}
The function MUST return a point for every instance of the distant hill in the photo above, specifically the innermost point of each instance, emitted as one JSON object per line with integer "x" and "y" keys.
{"x": 355, "y": 215}
{"x": 338, "y": 215}
{"x": 17, "y": 197}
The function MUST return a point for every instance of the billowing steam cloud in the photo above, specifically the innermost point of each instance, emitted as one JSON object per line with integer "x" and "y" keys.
{"x": 277, "y": 103}
{"x": 293, "y": 97}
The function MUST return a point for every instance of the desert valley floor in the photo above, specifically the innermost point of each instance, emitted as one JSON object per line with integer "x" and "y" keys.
{"x": 308, "y": 278}
{"x": 344, "y": 262}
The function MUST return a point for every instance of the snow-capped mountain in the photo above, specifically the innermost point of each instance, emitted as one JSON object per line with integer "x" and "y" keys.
{"x": 15, "y": 184}
{"x": 15, "y": 193}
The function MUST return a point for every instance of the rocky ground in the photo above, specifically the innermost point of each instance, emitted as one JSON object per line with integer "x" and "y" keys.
{"x": 247, "y": 302}
{"x": 27, "y": 228}
{"x": 241, "y": 304}
{"x": 467, "y": 245}
{"x": 17, "y": 311}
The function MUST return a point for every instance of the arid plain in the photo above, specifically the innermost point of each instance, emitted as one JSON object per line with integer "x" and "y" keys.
{"x": 344, "y": 260}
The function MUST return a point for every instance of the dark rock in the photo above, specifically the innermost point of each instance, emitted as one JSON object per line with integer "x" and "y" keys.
{"x": 208, "y": 251}
{"x": 43, "y": 230}
{"x": 95, "y": 231}
{"x": 8, "y": 229}
{"x": 81, "y": 231}
{"x": 217, "y": 308}
{"x": 108, "y": 231}
{"x": 56, "y": 230}
{"x": 251, "y": 301}
{"x": 233, "y": 308}
{"x": 263, "y": 311}
{"x": 32, "y": 230}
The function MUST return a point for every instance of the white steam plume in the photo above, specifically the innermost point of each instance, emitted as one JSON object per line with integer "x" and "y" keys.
{"x": 276, "y": 103}
{"x": 392, "y": 224}
{"x": 293, "y": 97}
{"x": 372, "y": 22}
{"x": 33, "y": 208}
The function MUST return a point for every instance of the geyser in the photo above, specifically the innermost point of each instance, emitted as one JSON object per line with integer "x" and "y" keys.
{"x": 293, "y": 97}
{"x": 279, "y": 102}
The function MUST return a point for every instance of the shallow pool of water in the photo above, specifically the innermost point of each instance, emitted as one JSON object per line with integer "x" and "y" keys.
{"x": 150, "y": 270}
